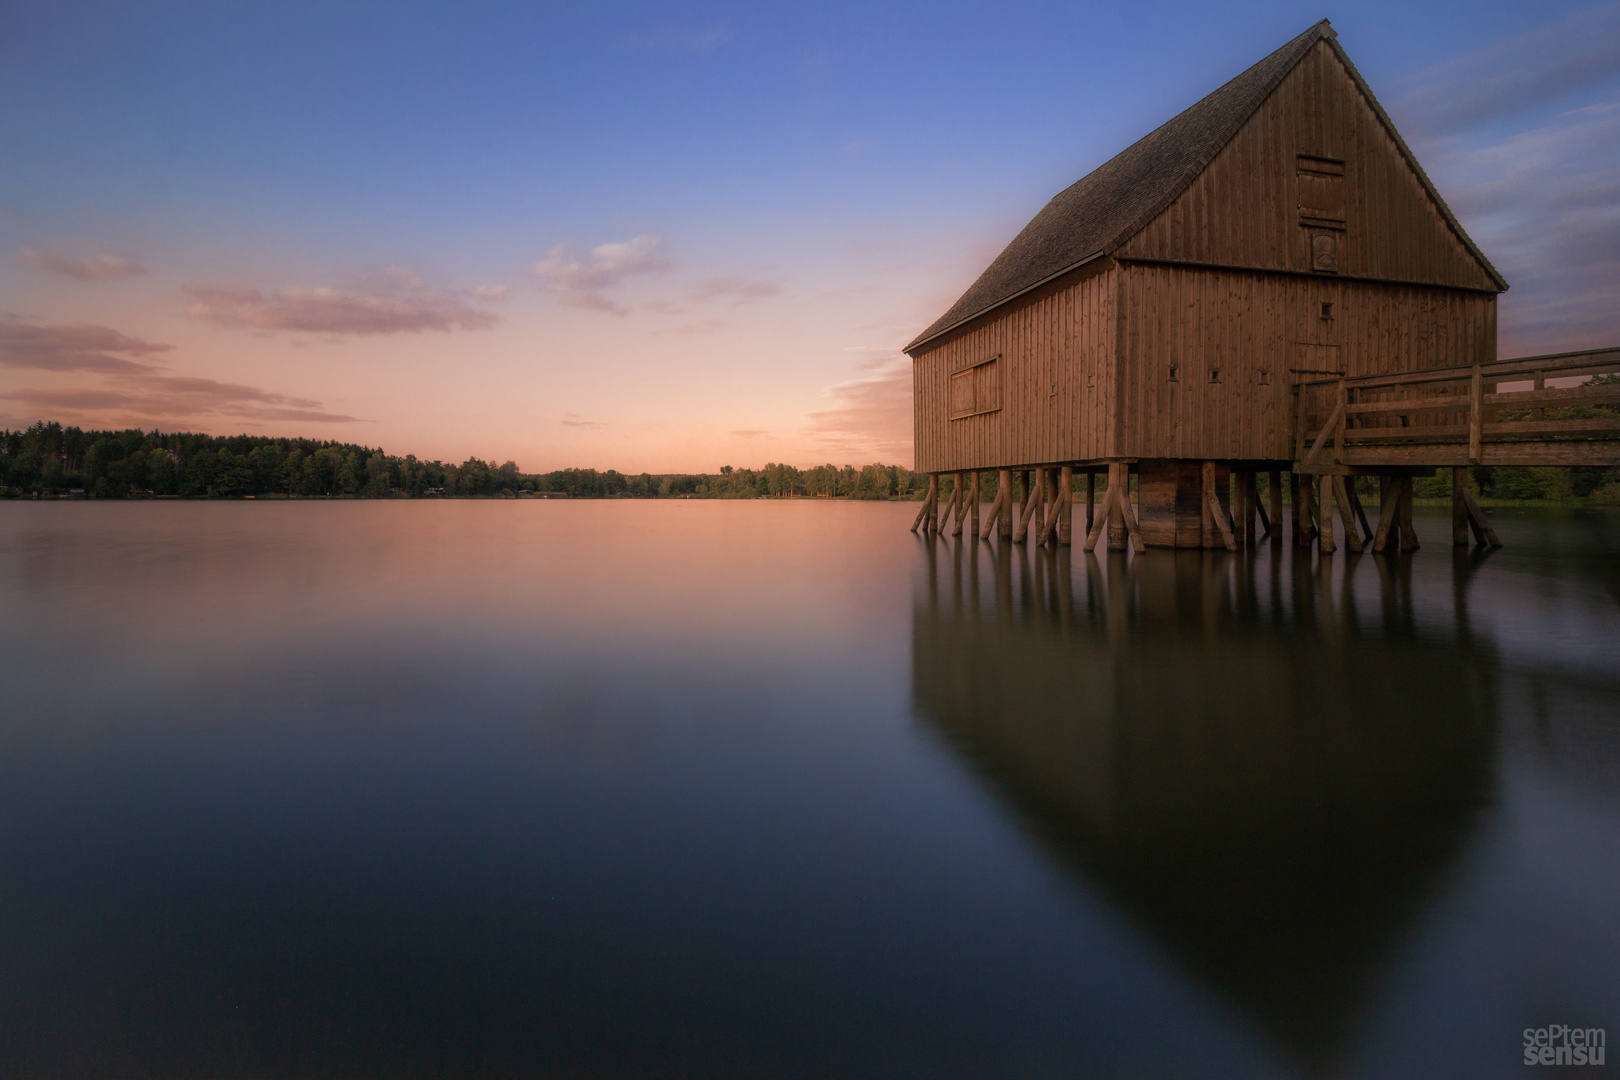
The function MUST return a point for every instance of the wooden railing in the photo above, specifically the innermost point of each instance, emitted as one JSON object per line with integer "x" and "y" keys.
{"x": 1503, "y": 412}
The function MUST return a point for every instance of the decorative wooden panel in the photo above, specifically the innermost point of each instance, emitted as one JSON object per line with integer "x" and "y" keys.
{"x": 1247, "y": 208}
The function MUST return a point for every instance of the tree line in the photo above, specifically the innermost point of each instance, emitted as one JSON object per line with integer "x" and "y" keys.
{"x": 48, "y": 459}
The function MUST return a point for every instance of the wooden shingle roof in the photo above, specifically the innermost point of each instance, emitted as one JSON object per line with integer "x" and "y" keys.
{"x": 1098, "y": 213}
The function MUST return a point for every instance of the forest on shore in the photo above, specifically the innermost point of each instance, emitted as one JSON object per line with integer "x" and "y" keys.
{"x": 50, "y": 460}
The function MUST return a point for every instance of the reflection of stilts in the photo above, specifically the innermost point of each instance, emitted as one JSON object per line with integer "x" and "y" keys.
{"x": 1215, "y": 759}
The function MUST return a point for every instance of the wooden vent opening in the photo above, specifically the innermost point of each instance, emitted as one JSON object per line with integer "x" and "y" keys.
{"x": 1321, "y": 208}
{"x": 976, "y": 390}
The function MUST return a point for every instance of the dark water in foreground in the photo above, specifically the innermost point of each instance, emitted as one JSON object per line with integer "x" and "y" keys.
{"x": 704, "y": 788}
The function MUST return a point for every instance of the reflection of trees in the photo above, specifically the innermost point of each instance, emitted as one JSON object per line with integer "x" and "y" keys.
{"x": 1267, "y": 780}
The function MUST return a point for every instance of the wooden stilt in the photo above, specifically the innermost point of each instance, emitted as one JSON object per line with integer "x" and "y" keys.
{"x": 994, "y": 516}
{"x": 1094, "y": 533}
{"x": 1409, "y": 540}
{"x": 1032, "y": 503}
{"x": 1476, "y": 518}
{"x": 1118, "y": 534}
{"x": 1341, "y": 497}
{"x": 1005, "y": 516}
{"x": 959, "y": 501}
{"x": 973, "y": 495}
{"x": 932, "y": 521}
{"x": 1302, "y": 513}
{"x": 1349, "y": 484}
{"x": 1091, "y": 500}
{"x": 1274, "y": 492}
{"x": 922, "y": 512}
{"x": 1038, "y": 518}
{"x": 1251, "y": 508}
{"x": 1066, "y": 507}
{"x": 1459, "y": 507}
{"x": 1323, "y": 510}
{"x": 1388, "y": 513}
{"x": 1132, "y": 528}
{"x": 1313, "y": 505}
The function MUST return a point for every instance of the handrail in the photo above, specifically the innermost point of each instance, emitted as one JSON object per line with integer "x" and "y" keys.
{"x": 1348, "y": 420}
{"x": 1553, "y": 365}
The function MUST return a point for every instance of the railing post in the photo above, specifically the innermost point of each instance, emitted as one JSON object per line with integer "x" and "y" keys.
{"x": 1344, "y": 412}
{"x": 1476, "y": 414}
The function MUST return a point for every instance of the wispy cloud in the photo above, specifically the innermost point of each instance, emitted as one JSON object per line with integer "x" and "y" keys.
{"x": 871, "y": 414}
{"x": 93, "y": 266}
{"x": 575, "y": 420}
{"x": 750, "y": 433}
{"x": 392, "y": 300}
{"x": 583, "y": 283}
{"x": 1519, "y": 74}
{"x": 1537, "y": 188}
{"x": 79, "y": 347}
{"x": 131, "y": 389}
{"x": 734, "y": 289}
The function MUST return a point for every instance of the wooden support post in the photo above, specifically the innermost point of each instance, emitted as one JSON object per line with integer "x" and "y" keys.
{"x": 1459, "y": 507}
{"x": 1323, "y": 508}
{"x": 1119, "y": 477}
{"x": 1116, "y": 500}
{"x": 1005, "y": 515}
{"x": 922, "y": 512}
{"x": 1251, "y": 508}
{"x": 1101, "y": 522}
{"x": 974, "y": 495}
{"x": 1409, "y": 540}
{"x": 1066, "y": 507}
{"x": 932, "y": 521}
{"x": 1388, "y": 513}
{"x": 1274, "y": 524}
{"x": 1032, "y": 504}
{"x": 1091, "y": 499}
{"x": 959, "y": 501}
{"x": 1476, "y": 518}
{"x": 994, "y": 515}
{"x": 1038, "y": 519}
{"x": 1239, "y": 514}
{"x": 1313, "y": 510}
{"x": 1349, "y": 484}
{"x": 1126, "y": 510}
{"x": 1214, "y": 517}
{"x": 1302, "y": 513}
{"x": 1347, "y": 513}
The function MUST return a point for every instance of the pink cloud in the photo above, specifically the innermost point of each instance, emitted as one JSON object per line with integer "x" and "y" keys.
{"x": 96, "y": 266}
{"x": 399, "y": 303}
{"x": 79, "y": 347}
{"x": 582, "y": 284}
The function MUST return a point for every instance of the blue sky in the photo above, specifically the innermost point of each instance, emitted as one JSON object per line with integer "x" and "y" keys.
{"x": 666, "y": 236}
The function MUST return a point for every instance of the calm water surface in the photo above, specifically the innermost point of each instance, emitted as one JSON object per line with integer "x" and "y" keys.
{"x": 620, "y": 788}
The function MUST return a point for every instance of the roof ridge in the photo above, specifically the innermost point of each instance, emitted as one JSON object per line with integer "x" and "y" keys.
{"x": 1115, "y": 188}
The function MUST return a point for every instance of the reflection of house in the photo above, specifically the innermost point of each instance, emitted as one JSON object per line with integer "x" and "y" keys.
{"x": 1253, "y": 789}
{"x": 1160, "y": 311}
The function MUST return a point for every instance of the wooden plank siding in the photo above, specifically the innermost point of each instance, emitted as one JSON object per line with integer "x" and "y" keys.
{"x": 1242, "y": 323}
{"x": 1243, "y": 209}
{"x": 1062, "y": 341}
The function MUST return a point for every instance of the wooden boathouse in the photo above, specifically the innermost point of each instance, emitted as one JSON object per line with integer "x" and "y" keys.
{"x": 1268, "y": 282}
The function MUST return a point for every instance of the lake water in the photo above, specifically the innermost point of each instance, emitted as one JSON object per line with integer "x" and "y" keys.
{"x": 676, "y": 788}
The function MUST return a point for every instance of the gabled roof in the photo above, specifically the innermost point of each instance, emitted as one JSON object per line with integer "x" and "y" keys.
{"x": 1115, "y": 201}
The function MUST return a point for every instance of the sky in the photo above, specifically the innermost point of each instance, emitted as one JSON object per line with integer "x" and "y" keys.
{"x": 664, "y": 237}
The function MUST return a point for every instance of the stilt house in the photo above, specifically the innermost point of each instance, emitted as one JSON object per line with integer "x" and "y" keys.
{"x": 1159, "y": 314}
